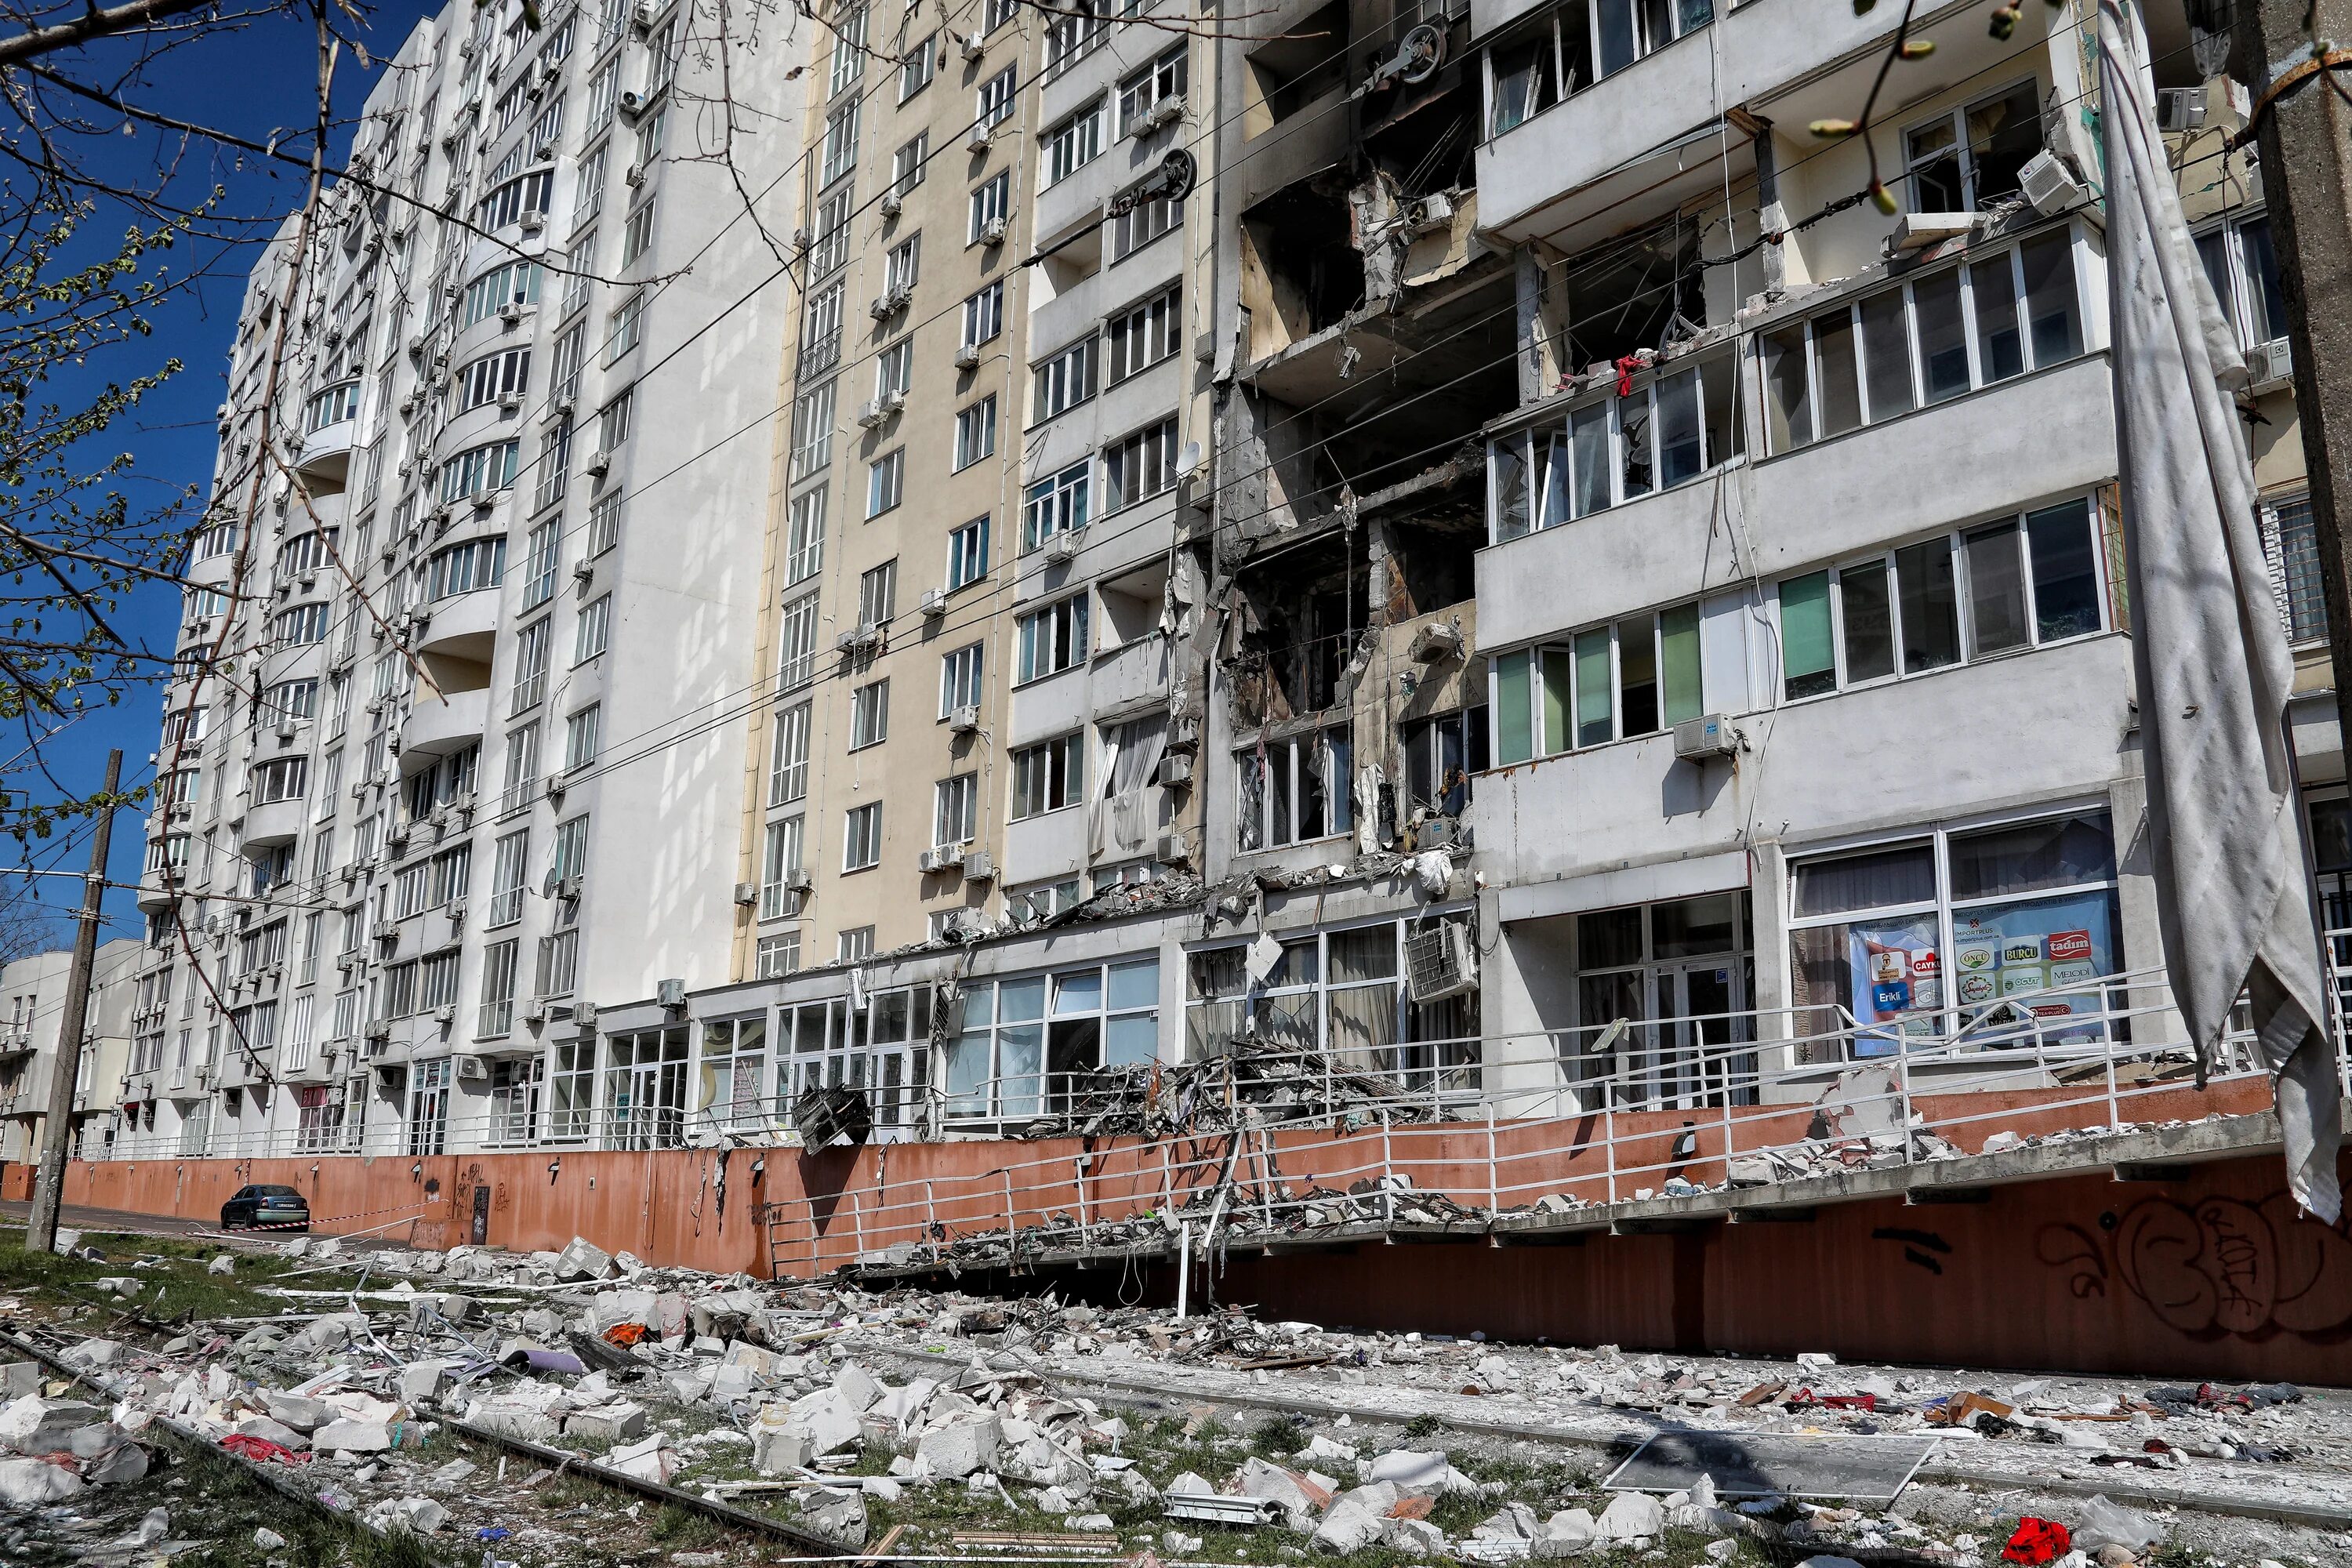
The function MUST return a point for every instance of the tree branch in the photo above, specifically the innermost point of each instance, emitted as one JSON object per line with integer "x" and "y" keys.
{"x": 92, "y": 24}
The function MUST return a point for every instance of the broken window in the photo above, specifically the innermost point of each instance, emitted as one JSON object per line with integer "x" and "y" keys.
{"x": 1293, "y": 790}
{"x": 1575, "y": 46}
{"x": 1678, "y": 427}
{"x": 1964, "y": 158}
{"x": 1439, "y": 755}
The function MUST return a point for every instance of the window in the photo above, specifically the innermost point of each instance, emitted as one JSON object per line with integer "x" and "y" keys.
{"x": 778, "y": 956}
{"x": 288, "y": 699}
{"x": 886, "y": 481}
{"x": 976, "y": 432}
{"x": 1071, "y": 30}
{"x": 1074, "y": 143}
{"x": 516, "y": 283}
{"x": 734, "y": 1063}
{"x": 968, "y": 554}
{"x": 989, "y": 209}
{"x": 554, "y": 463}
{"x": 996, "y": 96}
{"x": 571, "y": 352}
{"x": 779, "y": 864}
{"x": 1340, "y": 991}
{"x": 1293, "y": 790}
{"x": 530, "y": 665}
{"x": 1049, "y": 776}
{"x": 2010, "y": 584}
{"x": 920, "y": 64}
{"x": 1635, "y": 675}
{"x": 285, "y": 778}
{"x": 588, "y": 183}
{"x": 505, "y": 375}
{"x": 829, "y": 247}
{"x": 547, "y": 127}
{"x": 869, "y": 715}
{"x": 480, "y": 471}
{"x": 1440, "y": 756}
{"x": 2302, "y": 605}
{"x": 1139, "y": 94}
{"x": 1055, "y": 504}
{"x": 1052, "y": 639}
{"x": 1028, "y": 1044}
{"x": 637, "y": 234}
{"x": 848, "y": 50}
{"x": 1526, "y": 74}
{"x": 507, "y": 203}
{"x": 861, "y": 844}
{"x": 1142, "y": 221}
{"x": 301, "y": 624}
{"x": 538, "y": 562}
{"x": 571, "y": 1089}
{"x": 464, "y": 568}
{"x": 509, "y": 857}
{"x": 840, "y": 142}
{"x": 877, "y": 595}
{"x": 983, "y": 315}
{"x": 901, "y": 265}
{"x": 569, "y": 858}
{"x": 1911, "y": 346}
{"x": 580, "y": 737}
{"x": 335, "y": 406}
{"x": 521, "y": 784}
{"x": 820, "y": 348}
{"x": 1970, "y": 158}
{"x": 788, "y": 757}
{"x": 614, "y": 421}
{"x": 644, "y": 1088}
{"x": 2243, "y": 267}
{"x": 1065, "y": 380}
{"x": 909, "y": 164}
{"x": 624, "y": 329}
{"x": 1140, "y": 466}
{"x": 805, "y": 540}
{"x": 1615, "y": 449}
{"x": 592, "y": 628}
{"x": 797, "y": 644}
{"x": 2006, "y": 929}
{"x": 959, "y": 679}
{"x": 1144, "y": 335}
{"x": 812, "y": 430}
{"x": 604, "y": 525}
{"x": 579, "y": 256}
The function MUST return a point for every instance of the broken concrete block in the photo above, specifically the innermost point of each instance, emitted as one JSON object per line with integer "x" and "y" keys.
{"x": 67, "y": 1242}
{"x": 1288, "y": 1492}
{"x": 670, "y": 1315}
{"x": 831, "y": 1424}
{"x": 856, "y": 1385}
{"x": 222, "y": 1266}
{"x": 780, "y": 1445}
{"x": 1413, "y": 1473}
{"x": 1569, "y": 1533}
{"x": 1417, "y": 1536}
{"x": 91, "y": 1353}
{"x": 838, "y": 1516}
{"x": 118, "y": 1465}
{"x": 19, "y": 1378}
{"x": 1357, "y": 1520}
{"x": 622, "y": 1422}
{"x": 1631, "y": 1516}
{"x": 420, "y": 1514}
{"x": 649, "y": 1460}
{"x": 302, "y": 1414}
{"x": 269, "y": 1431}
{"x": 510, "y": 1418}
{"x": 31, "y": 1483}
{"x": 610, "y": 1309}
{"x": 961, "y": 1447}
{"x": 348, "y": 1437}
{"x": 583, "y": 1260}
{"x": 34, "y": 1425}
{"x": 420, "y": 1382}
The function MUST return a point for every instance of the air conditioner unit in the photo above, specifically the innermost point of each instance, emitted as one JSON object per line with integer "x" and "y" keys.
{"x": 888, "y": 305}
{"x": 1917, "y": 231}
{"x": 803, "y": 237}
{"x": 1167, "y": 112}
{"x": 1440, "y": 960}
{"x": 533, "y": 222}
{"x": 992, "y": 232}
{"x": 378, "y": 1029}
{"x": 1173, "y": 849}
{"x": 974, "y": 45}
{"x": 1065, "y": 546}
{"x": 2179, "y": 108}
{"x": 472, "y": 1067}
{"x": 555, "y": 786}
{"x": 510, "y": 313}
{"x": 1708, "y": 735}
{"x": 559, "y": 409}
{"x": 1432, "y": 212}
{"x": 1176, "y": 769}
{"x": 641, "y": 17}
{"x": 509, "y": 406}
{"x": 286, "y": 729}
{"x": 799, "y": 882}
{"x": 967, "y": 356}
{"x": 870, "y": 415}
{"x": 535, "y": 1014}
{"x": 2270, "y": 363}
{"x": 894, "y": 400}
{"x": 979, "y": 866}
{"x": 747, "y": 893}
{"x": 635, "y": 176}
{"x": 858, "y": 639}
{"x": 632, "y": 105}
{"x": 598, "y": 464}
{"x": 890, "y": 206}
{"x": 583, "y": 572}
{"x": 934, "y": 602}
{"x": 965, "y": 925}
{"x": 942, "y": 857}
{"x": 583, "y": 1013}
{"x": 982, "y": 133}
{"x": 2049, "y": 183}
{"x": 965, "y": 720}
{"x": 445, "y": 1014}
{"x": 670, "y": 993}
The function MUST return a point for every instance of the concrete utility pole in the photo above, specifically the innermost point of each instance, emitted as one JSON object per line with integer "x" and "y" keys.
{"x": 48, "y": 1186}
{"x": 2306, "y": 164}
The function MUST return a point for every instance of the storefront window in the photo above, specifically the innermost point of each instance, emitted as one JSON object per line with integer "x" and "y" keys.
{"x": 730, "y": 1086}
{"x": 1678, "y": 974}
{"x": 1029, "y": 1045}
{"x": 1998, "y": 934}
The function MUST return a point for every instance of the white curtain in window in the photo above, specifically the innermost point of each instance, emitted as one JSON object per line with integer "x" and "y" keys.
{"x": 1126, "y": 811}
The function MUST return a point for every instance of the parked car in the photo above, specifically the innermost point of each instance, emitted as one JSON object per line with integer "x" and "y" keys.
{"x": 279, "y": 1208}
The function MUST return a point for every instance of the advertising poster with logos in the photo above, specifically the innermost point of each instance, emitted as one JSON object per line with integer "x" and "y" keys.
{"x": 2030, "y": 964}
{"x": 1897, "y": 980}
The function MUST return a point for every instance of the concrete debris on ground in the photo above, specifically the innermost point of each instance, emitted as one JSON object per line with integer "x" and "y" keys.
{"x": 848, "y": 1412}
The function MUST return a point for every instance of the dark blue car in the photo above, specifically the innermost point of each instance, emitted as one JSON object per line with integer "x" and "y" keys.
{"x": 279, "y": 1208}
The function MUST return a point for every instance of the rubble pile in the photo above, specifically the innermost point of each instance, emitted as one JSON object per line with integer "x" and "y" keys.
{"x": 1254, "y": 1081}
{"x": 452, "y": 1394}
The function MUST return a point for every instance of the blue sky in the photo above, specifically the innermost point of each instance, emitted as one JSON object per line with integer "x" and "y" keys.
{"x": 254, "y": 81}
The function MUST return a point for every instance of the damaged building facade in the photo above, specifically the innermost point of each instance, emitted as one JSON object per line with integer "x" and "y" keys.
{"x": 1465, "y": 556}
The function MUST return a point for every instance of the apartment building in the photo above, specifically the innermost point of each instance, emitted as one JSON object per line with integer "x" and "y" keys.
{"x": 1454, "y": 540}
{"x": 456, "y": 738}
{"x": 32, "y": 1019}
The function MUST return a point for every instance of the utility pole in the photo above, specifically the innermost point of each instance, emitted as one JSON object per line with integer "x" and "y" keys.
{"x": 2306, "y": 168}
{"x": 48, "y": 1186}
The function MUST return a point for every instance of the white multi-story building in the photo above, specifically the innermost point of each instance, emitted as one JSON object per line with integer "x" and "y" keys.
{"x": 1456, "y": 540}
{"x": 459, "y": 722}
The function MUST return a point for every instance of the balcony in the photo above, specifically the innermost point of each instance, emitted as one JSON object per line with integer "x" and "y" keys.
{"x": 268, "y": 827}
{"x": 332, "y": 429}
{"x": 439, "y": 726}
{"x": 460, "y": 626}
{"x": 158, "y": 887}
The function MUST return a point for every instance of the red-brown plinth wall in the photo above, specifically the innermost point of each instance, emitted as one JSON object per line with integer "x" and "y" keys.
{"x": 2210, "y": 1277}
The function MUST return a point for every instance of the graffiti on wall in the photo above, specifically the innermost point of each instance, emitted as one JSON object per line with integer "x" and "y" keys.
{"x": 2213, "y": 1268}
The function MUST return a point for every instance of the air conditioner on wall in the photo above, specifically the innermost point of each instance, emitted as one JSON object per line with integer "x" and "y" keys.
{"x": 934, "y": 602}
{"x": 1708, "y": 736}
{"x": 470, "y": 1067}
{"x": 747, "y": 893}
{"x": 965, "y": 720}
{"x": 799, "y": 882}
{"x": 1440, "y": 960}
